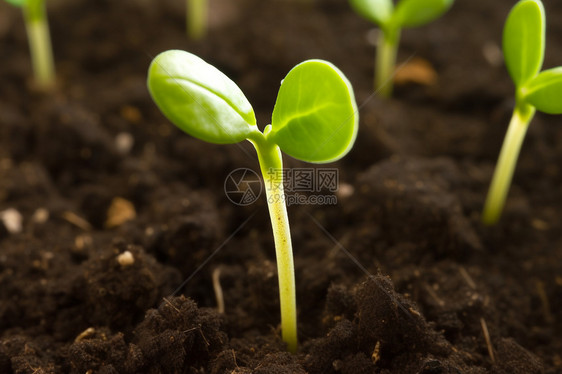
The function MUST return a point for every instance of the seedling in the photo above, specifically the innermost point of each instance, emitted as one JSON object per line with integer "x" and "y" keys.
{"x": 196, "y": 18}
{"x": 39, "y": 39}
{"x": 523, "y": 48}
{"x": 315, "y": 120}
{"x": 391, "y": 20}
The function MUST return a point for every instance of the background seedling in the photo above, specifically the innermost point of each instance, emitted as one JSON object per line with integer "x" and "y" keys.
{"x": 39, "y": 39}
{"x": 315, "y": 119}
{"x": 197, "y": 12}
{"x": 523, "y": 49}
{"x": 391, "y": 20}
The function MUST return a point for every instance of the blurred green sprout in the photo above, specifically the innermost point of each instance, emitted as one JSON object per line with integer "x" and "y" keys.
{"x": 523, "y": 49}
{"x": 39, "y": 39}
{"x": 391, "y": 20}
{"x": 196, "y": 18}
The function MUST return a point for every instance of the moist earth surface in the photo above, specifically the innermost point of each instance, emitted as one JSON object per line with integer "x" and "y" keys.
{"x": 116, "y": 235}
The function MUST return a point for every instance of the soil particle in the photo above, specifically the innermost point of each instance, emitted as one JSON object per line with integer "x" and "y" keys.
{"x": 11, "y": 219}
{"x": 175, "y": 338}
{"x": 124, "y": 293}
{"x": 387, "y": 318}
{"x": 337, "y": 345}
{"x": 339, "y": 302}
{"x": 23, "y": 180}
{"x": 20, "y": 355}
{"x": 402, "y": 188}
{"x": 120, "y": 211}
{"x": 101, "y": 352}
{"x": 186, "y": 335}
{"x": 88, "y": 144}
{"x": 416, "y": 180}
{"x": 188, "y": 226}
{"x": 357, "y": 364}
{"x": 256, "y": 354}
{"x": 514, "y": 359}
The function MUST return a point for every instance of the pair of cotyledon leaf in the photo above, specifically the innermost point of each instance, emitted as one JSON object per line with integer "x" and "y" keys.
{"x": 407, "y": 13}
{"x": 315, "y": 116}
{"x": 523, "y": 48}
{"x": 523, "y": 43}
{"x": 315, "y": 119}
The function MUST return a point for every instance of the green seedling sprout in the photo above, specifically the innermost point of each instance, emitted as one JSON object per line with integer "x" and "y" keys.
{"x": 35, "y": 17}
{"x": 196, "y": 18}
{"x": 523, "y": 49}
{"x": 315, "y": 120}
{"x": 391, "y": 20}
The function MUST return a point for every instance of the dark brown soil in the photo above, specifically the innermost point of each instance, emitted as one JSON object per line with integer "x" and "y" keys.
{"x": 398, "y": 277}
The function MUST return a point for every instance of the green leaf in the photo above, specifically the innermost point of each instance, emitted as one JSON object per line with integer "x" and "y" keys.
{"x": 545, "y": 91}
{"x": 19, "y": 3}
{"x": 523, "y": 40}
{"x": 199, "y": 99}
{"x": 315, "y": 118}
{"x": 376, "y": 11}
{"x": 413, "y": 13}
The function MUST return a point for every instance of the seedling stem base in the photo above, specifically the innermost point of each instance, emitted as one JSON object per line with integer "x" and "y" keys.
{"x": 271, "y": 165}
{"x": 495, "y": 201}
{"x": 39, "y": 43}
{"x": 385, "y": 60}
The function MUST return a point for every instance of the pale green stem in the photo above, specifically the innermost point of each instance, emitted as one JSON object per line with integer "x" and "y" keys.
{"x": 39, "y": 42}
{"x": 385, "y": 60}
{"x": 271, "y": 164}
{"x": 196, "y": 18}
{"x": 522, "y": 116}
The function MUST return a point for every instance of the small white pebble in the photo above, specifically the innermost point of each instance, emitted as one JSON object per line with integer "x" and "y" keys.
{"x": 126, "y": 259}
{"x": 493, "y": 54}
{"x": 345, "y": 190}
{"x": 124, "y": 142}
{"x": 41, "y": 215}
{"x": 372, "y": 37}
{"x": 12, "y": 219}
